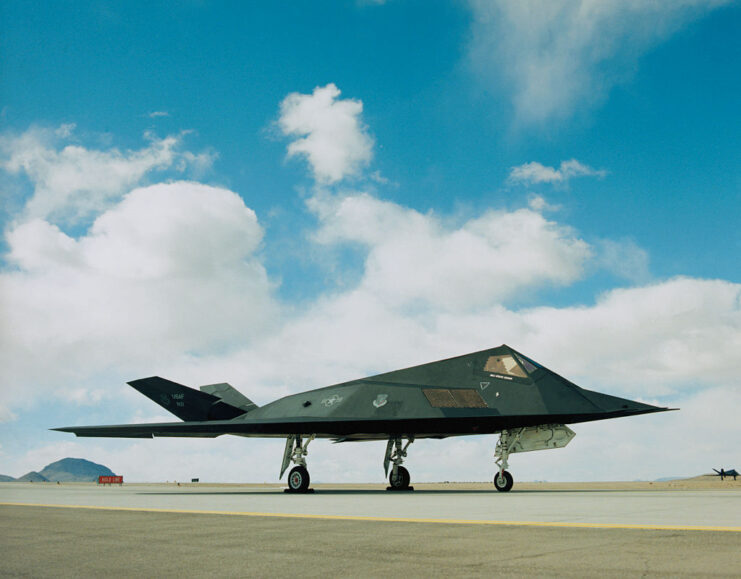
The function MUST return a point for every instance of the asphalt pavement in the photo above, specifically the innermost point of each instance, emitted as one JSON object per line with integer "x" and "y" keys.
{"x": 258, "y": 531}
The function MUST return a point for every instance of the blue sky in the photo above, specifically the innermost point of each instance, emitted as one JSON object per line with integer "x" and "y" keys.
{"x": 194, "y": 190}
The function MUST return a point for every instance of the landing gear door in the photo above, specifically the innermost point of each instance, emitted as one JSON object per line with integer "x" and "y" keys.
{"x": 541, "y": 438}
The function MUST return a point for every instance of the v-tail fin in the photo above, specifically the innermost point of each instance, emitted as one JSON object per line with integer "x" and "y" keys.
{"x": 230, "y": 395}
{"x": 186, "y": 403}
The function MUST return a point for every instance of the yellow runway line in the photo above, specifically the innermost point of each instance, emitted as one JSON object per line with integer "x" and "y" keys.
{"x": 395, "y": 519}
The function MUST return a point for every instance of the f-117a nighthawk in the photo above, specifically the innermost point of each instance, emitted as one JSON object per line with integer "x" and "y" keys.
{"x": 722, "y": 473}
{"x": 495, "y": 391}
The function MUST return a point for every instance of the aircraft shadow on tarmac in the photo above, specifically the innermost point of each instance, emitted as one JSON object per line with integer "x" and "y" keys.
{"x": 382, "y": 491}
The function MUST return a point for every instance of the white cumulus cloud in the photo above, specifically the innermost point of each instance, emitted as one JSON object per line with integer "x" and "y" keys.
{"x": 624, "y": 258}
{"x": 533, "y": 173}
{"x": 555, "y": 57}
{"x": 328, "y": 131}
{"x": 416, "y": 260}
{"x": 72, "y": 182}
{"x": 650, "y": 340}
{"x": 170, "y": 269}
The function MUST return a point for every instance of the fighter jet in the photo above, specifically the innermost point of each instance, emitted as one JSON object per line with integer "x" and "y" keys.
{"x": 495, "y": 391}
{"x": 722, "y": 473}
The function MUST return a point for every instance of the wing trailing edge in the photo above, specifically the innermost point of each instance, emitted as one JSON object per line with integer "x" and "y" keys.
{"x": 179, "y": 429}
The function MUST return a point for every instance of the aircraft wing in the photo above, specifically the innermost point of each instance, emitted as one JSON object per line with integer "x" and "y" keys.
{"x": 339, "y": 430}
{"x": 188, "y": 429}
{"x": 343, "y": 429}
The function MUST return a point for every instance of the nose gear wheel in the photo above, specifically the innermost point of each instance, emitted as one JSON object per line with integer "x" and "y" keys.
{"x": 503, "y": 481}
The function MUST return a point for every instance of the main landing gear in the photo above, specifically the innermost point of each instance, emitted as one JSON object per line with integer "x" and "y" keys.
{"x": 503, "y": 480}
{"x": 298, "y": 479}
{"x": 399, "y": 478}
{"x": 296, "y": 451}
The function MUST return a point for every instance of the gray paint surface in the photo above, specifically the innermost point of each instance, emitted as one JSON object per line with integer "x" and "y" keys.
{"x": 661, "y": 507}
{"x": 46, "y": 542}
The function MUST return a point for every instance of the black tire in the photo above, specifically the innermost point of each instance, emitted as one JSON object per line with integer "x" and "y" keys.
{"x": 298, "y": 479}
{"x": 401, "y": 480}
{"x": 503, "y": 481}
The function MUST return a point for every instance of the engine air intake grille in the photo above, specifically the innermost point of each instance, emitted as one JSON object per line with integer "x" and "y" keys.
{"x": 455, "y": 398}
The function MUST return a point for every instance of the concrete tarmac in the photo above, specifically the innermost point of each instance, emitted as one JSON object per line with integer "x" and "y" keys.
{"x": 257, "y": 530}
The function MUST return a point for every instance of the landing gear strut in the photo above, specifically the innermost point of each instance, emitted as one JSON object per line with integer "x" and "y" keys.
{"x": 399, "y": 478}
{"x": 296, "y": 451}
{"x": 503, "y": 480}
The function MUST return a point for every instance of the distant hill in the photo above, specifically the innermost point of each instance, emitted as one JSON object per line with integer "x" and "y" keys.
{"x": 65, "y": 470}
{"x": 75, "y": 470}
{"x": 32, "y": 476}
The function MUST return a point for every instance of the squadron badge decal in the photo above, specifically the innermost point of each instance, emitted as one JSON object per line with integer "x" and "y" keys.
{"x": 331, "y": 401}
{"x": 380, "y": 400}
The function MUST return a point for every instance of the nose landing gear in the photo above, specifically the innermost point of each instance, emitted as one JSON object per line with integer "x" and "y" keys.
{"x": 527, "y": 438}
{"x": 503, "y": 480}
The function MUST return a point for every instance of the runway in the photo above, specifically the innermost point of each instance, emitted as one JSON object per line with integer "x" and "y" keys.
{"x": 618, "y": 507}
{"x": 257, "y": 530}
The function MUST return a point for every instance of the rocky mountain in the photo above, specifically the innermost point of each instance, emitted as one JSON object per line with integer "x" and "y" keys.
{"x": 32, "y": 476}
{"x": 65, "y": 470}
{"x": 75, "y": 470}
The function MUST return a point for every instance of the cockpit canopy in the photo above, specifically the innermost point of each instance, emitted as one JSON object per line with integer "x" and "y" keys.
{"x": 510, "y": 365}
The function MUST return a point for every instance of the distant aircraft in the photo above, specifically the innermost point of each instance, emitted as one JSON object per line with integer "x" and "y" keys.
{"x": 724, "y": 473}
{"x": 495, "y": 391}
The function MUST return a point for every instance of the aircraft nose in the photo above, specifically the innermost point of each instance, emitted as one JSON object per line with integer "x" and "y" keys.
{"x": 619, "y": 406}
